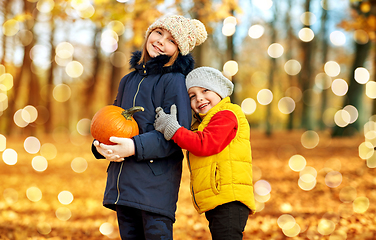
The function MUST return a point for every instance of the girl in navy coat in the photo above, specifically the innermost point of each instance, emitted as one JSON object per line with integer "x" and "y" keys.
{"x": 144, "y": 172}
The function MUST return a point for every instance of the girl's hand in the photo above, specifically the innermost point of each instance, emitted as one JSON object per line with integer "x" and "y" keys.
{"x": 123, "y": 148}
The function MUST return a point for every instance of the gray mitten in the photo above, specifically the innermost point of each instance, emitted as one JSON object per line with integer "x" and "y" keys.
{"x": 166, "y": 123}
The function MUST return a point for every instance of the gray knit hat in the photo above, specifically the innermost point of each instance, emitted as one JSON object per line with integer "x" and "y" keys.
{"x": 210, "y": 78}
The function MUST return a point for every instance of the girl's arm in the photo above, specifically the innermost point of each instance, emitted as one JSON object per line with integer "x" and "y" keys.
{"x": 213, "y": 139}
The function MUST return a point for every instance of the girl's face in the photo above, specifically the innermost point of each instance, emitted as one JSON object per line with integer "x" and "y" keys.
{"x": 161, "y": 42}
{"x": 202, "y": 99}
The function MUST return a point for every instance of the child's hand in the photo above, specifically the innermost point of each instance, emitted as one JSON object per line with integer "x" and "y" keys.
{"x": 116, "y": 153}
{"x": 166, "y": 123}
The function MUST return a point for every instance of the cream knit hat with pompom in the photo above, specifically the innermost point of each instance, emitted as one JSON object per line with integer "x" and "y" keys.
{"x": 187, "y": 33}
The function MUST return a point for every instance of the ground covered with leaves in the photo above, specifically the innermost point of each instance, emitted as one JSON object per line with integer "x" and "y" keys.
{"x": 62, "y": 203}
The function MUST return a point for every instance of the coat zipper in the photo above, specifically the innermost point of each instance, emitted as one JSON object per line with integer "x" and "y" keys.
{"x": 121, "y": 166}
{"x": 118, "y": 178}
{"x": 193, "y": 192}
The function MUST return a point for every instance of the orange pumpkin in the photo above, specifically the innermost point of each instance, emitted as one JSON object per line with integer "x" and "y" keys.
{"x": 114, "y": 121}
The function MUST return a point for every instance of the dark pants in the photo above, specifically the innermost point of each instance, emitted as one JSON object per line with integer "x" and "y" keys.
{"x": 137, "y": 224}
{"x": 228, "y": 221}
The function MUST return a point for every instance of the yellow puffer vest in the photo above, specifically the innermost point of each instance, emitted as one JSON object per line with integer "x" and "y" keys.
{"x": 226, "y": 176}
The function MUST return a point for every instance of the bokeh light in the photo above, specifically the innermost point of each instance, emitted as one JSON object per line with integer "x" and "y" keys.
{"x": 323, "y": 81}
{"x": 286, "y": 105}
{"x": 295, "y": 93}
{"x": 117, "y": 27}
{"x": 109, "y": 41}
{"x": 286, "y": 221}
{"x": 62, "y": 92}
{"x": 106, "y": 228}
{"x": 79, "y": 165}
{"x": 263, "y": 4}
{"x": 342, "y": 118}
{"x": 326, "y": 227}
{"x": 262, "y": 199}
{"x": 63, "y": 213}
{"x": 347, "y": 194}
{"x": 310, "y": 139}
{"x": 297, "y": 163}
{"x": 306, "y": 34}
{"x": 44, "y": 228}
{"x": 371, "y": 89}
{"x": 332, "y": 68}
{"x": 353, "y": 112}
{"x": 256, "y": 31}
{"x": 293, "y": 231}
{"x": 34, "y": 194}
{"x": 19, "y": 120}
{"x": 366, "y": 150}
{"x": 264, "y": 96}
{"x": 48, "y": 151}
{"x": 64, "y": 50}
{"x": 338, "y": 38}
{"x": 32, "y": 145}
{"x": 333, "y": 179}
{"x": 361, "y": 75}
{"x": 339, "y": 87}
{"x": 10, "y": 156}
{"x": 83, "y": 126}
{"x": 29, "y": 114}
{"x": 275, "y": 50}
{"x": 292, "y": 67}
{"x": 361, "y": 204}
{"x": 262, "y": 187}
{"x": 230, "y": 68}
{"x": 6, "y": 79}
{"x": 308, "y": 18}
{"x": 248, "y": 106}
{"x": 3, "y": 143}
{"x": 118, "y": 59}
{"x": 74, "y": 69}
{"x": 65, "y": 197}
{"x": 11, "y": 27}
{"x": 45, "y": 6}
{"x": 39, "y": 163}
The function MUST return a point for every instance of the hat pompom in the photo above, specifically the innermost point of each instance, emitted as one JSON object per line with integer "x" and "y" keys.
{"x": 201, "y": 31}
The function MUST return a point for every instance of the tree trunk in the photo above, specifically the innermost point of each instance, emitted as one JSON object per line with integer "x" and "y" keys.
{"x": 325, "y": 45}
{"x": 50, "y": 80}
{"x": 306, "y": 80}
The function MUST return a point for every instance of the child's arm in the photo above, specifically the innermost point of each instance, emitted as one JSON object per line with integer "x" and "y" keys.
{"x": 213, "y": 139}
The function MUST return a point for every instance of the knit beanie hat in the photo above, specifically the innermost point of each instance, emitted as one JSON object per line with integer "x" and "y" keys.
{"x": 187, "y": 33}
{"x": 210, "y": 78}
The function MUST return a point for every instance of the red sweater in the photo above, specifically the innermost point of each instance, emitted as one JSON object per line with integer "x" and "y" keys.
{"x": 213, "y": 139}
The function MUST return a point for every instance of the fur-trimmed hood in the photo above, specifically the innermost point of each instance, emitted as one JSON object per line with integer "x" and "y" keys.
{"x": 183, "y": 64}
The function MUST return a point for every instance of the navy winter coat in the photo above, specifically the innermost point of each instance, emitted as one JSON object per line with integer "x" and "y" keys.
{"x": 150, "y": 180}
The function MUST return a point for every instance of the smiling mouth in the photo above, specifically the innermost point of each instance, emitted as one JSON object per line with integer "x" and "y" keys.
{"x": 203, "y": 105}
{"x": 158, "y": 49}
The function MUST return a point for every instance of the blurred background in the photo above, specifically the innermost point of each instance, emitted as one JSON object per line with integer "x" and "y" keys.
{"x": 304, "y": 75}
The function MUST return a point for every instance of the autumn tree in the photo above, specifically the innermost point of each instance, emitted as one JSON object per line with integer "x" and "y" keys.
{"x": 363, "y": 25}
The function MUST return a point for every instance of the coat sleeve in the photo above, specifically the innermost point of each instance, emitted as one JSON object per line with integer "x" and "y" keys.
{"x": 152, "y": 144}
{"x": 213, "y": 139}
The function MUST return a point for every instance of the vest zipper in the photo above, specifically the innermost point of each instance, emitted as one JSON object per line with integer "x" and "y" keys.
{"x": 121, "y": 166}
{"x": 193, "y": 192}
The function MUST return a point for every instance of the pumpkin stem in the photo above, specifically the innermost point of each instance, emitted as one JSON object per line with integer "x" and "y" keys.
{"x": 129, "y": 112}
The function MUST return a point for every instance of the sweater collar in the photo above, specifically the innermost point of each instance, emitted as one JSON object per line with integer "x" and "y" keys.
{"x": 183, "y": 64}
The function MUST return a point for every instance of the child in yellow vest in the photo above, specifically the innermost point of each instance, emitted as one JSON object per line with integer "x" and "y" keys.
{"x": 219, "y": 152}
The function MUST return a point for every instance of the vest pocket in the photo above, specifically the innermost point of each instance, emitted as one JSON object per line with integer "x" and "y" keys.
{"x": 215, "y": 178}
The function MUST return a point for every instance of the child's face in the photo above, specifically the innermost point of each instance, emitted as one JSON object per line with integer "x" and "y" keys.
{"x": 202, "y": 99}
{"x": 161, "y": 42}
